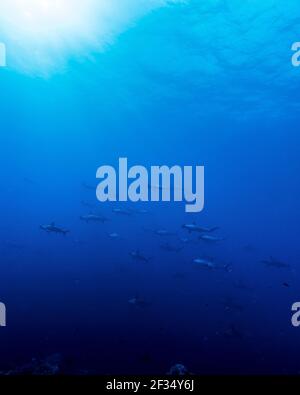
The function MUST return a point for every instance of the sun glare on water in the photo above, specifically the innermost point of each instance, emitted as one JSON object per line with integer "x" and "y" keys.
{"x": 42, "y": 35}
{"x": 39, "y": 20}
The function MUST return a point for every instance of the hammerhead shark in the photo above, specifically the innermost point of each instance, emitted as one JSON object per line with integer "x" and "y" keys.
{"x": 200, "y": 229}
{"x": 52, "y": 228}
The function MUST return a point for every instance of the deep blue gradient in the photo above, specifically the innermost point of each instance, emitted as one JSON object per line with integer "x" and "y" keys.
{"x": 189, "y": 85}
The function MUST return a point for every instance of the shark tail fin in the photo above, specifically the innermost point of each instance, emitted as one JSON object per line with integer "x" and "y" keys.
{"x": 228, "y": 267}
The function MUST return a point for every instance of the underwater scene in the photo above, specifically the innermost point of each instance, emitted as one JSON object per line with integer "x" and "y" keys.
{"x": 108, "y": 268}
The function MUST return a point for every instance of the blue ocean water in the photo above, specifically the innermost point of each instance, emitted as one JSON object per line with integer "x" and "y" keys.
{"x": 192, "y": 83}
